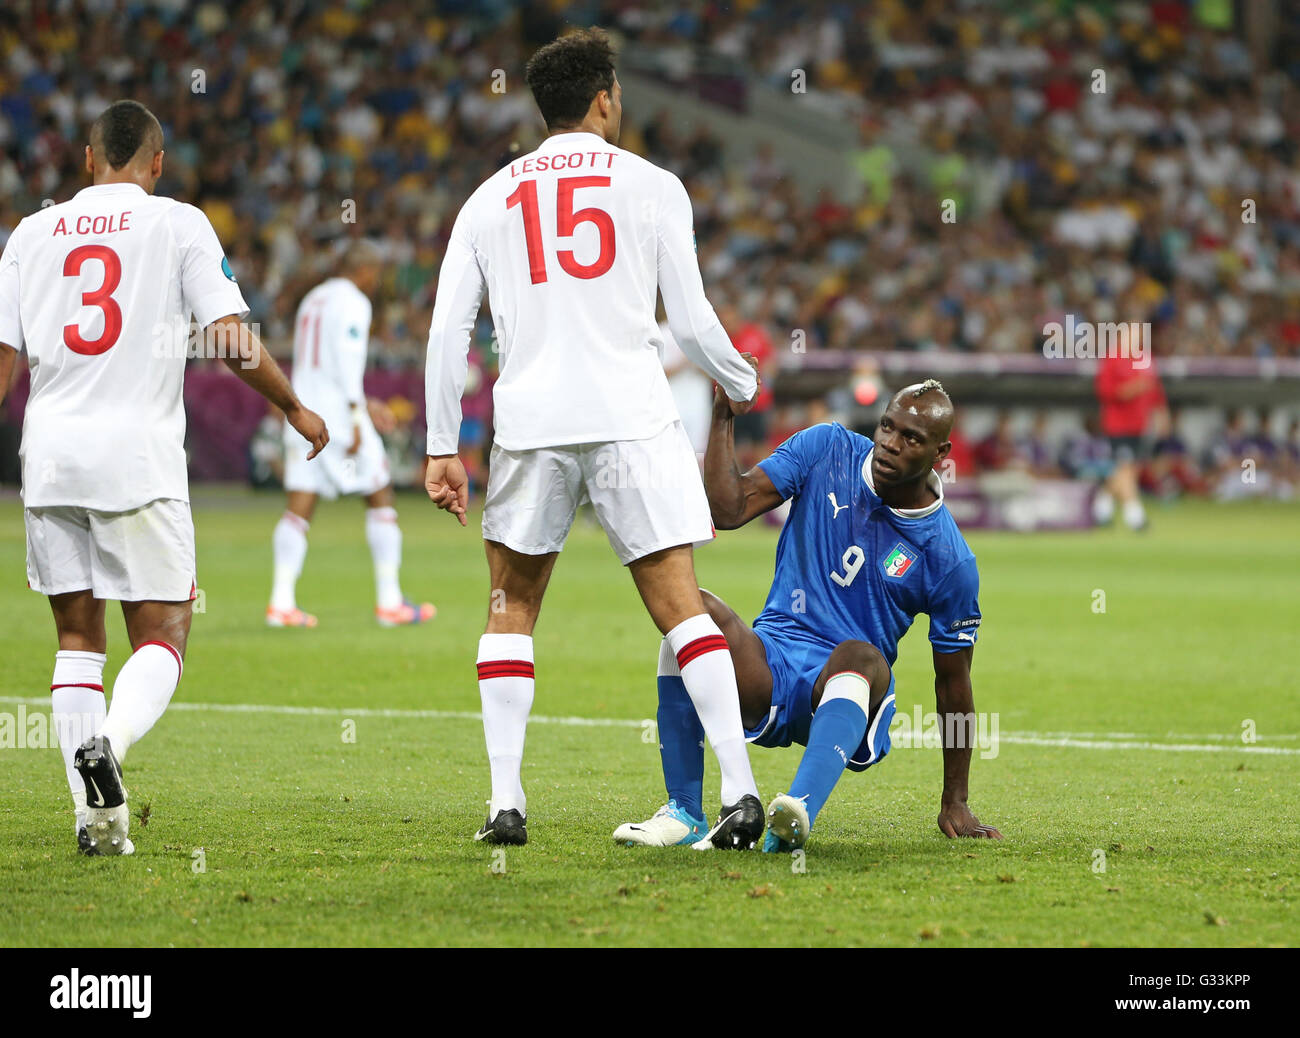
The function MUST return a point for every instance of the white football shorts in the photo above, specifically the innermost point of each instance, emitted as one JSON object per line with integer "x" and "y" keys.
{"x": 647, "y": 494}
{"x": 334, "y": 472}
{"x": 145, "y": 555}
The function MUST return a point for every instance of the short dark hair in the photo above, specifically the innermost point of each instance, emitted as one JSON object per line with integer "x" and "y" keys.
{"x": 121, "y": 130}
{"x": 566, "y": 75}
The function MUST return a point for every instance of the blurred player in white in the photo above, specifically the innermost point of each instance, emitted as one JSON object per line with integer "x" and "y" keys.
{"x": 570, "y": 244}
{"x": 692, "y": 390}
{"x": 100, "y": 290}
{"x": 330, "y": 336}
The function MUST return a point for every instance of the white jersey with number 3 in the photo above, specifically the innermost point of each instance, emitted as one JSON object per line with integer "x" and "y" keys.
{"x": 100, "y": 290}
{"x": 571, "y": 244}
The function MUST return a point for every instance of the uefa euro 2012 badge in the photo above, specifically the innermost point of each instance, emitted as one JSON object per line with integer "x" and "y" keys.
{"x": 898, "y": 561}
{"x": 227, "y": 269}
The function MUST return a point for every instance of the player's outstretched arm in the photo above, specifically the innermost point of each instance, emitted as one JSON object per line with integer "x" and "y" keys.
{"x": 734, "y": 497}
{"x": 8, "y": 355}
{"x": 694, "y": 325}
{"x": 955, "y": 699}
{"x": 244, "y": 355}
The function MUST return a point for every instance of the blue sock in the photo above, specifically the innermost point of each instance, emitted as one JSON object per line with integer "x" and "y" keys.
{"x": 681, "y": 746}
{"x": 836, "y": 731}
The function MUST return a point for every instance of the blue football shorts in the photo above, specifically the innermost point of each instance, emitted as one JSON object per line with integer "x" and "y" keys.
{"x": 796, "y": 664}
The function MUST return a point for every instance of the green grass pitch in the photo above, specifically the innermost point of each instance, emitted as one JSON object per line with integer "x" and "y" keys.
{"x": 1121, "y": 749}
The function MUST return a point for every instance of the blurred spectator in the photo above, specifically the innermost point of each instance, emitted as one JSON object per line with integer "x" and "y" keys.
{"x": 1250, "y": 463}
{"x": 1132, "y": 405}
{"x": 999, "y": 449}
{"x": 1230, "y": 468}
{"x": 1290, "y": 465}
{"x": 962, "y": 454}
{"x": 1087, "y": 453}
{"x": 1035, "y": 449}
{"x": 860, "y": 402}
{"x": 1171, "y": 471}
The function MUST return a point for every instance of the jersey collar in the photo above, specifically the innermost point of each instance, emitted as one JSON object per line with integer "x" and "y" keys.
{"x": 932, "y": 481}
{"x": 570, "y": 138}
{"x": 110, "y": 189}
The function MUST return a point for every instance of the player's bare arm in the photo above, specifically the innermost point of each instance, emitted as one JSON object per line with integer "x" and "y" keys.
{"x": 694, "y": 324}
{"x": 258, "y": 369}
{"x": 7, "y": 357}
{"x": 734, "y": 497}
{"x": 953, "y": 696}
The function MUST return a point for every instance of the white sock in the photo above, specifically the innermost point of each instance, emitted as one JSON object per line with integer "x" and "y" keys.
{"x": 143, "y": 688}
{"x": 289, "y": 547}
{"x": 385, "y": 539}
{"x": 710, "y": 680}
{"x": 77, "y": 705}
{"x": 1134, "y": 514}
{"x": 1103, "y": 507}
{"x": 505, "y": 685}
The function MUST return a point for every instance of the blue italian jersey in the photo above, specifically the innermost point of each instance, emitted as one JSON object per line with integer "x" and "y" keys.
{"x": 849, "y": 567}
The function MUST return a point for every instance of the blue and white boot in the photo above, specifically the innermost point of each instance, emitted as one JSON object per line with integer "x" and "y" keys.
{"x": 669, "y": 827}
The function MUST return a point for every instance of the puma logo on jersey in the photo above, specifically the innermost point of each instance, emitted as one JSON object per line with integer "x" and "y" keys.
{"x": 838, "y": 507}
{"x": 964, "y": 637}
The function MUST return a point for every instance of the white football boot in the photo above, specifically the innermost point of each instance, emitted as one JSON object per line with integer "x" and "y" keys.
{"x": 668, "y": 827}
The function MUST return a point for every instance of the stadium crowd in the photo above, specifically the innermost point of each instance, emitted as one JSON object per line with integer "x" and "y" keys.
{"x": 1173, "y": 466}
{"x": 1173, "y": 195}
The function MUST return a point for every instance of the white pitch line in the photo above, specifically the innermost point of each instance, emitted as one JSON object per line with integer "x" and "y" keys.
{"x": 1217, "y": 736}
{"x": 360, "y": 711}
{"x": 1100, "y": 741}
{"x": 1029, "y": 739}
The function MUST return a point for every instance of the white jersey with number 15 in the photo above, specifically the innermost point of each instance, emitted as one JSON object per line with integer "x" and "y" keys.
{"x": 572, "y": 243}
{"x": 100, "y": 290}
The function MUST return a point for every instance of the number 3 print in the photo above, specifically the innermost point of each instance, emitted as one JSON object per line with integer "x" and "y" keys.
{"x": 102, "y": 297}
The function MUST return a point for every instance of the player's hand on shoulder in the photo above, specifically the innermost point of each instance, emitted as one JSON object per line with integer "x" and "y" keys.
{"x": 311, "y": 426}
{"x": 447, "y": 485}
{"x": 958, "y": 820}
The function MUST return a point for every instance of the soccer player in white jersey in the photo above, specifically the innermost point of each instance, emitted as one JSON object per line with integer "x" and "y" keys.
{"x": 570, "y": 244}
{"x": 100, "y": 290}
{"x": 329, "y": 359}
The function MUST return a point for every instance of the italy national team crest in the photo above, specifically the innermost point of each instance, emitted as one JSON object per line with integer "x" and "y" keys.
{"x": 898, "y": 561}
